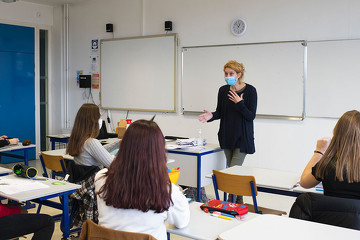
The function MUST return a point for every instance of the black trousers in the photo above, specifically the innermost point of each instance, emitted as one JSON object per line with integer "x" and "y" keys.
{"x": 17, "y": 225}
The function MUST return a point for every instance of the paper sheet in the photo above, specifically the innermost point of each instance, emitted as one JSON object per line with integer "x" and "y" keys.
{"x": 14, "y": 186}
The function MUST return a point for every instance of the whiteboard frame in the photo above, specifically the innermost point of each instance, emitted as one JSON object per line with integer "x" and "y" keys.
{"x": 262, "y": 116}
{"x": 175, "y": 73}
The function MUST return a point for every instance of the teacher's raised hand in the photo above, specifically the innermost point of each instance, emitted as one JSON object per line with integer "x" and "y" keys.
{"x": 206, "y": 116}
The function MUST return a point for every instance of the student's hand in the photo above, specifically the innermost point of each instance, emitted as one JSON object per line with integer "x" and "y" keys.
{"x": 205, "y": 116}
{"x": 14, "y": 141}
{"x": 322, "y": 144}
{"x": 234, "y": 97}
{"x": 3, "y": 137}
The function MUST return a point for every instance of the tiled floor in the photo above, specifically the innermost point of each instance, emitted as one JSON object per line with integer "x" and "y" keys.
{"x": 264, "y": 200}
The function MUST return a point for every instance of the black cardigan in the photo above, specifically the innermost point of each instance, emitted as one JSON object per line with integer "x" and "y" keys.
{"x": 342, "y": 212}
{"x": 236, "y": 119}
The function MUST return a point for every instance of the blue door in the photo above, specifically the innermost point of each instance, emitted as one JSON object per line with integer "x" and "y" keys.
{"x": 17, "y": 84}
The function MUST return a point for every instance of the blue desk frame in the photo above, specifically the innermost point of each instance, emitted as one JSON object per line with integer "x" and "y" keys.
{"x": 54, "y": 140}
{"x": 25, "y": 157}
{"x": 198, "y": 171}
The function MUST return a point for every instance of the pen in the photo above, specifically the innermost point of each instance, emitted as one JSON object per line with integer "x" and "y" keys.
{"x": 223, "y": 214}
{"x": 319, "y": 190}
{"x": 220, "y": 216}
{"x": 39, "y": 179}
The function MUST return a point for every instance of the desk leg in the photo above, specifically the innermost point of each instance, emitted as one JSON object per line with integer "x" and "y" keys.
{"x": 52, "y": 144}
{"x": 26, "y": 157}
{"x": 65, "y": 217}
{"x": 198, "y": 182}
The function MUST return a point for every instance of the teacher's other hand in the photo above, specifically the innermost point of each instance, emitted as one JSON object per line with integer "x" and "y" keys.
{"x": 234, "y": 97}
{"x": 206, "y": 116}
{"x": 322, "y": 144}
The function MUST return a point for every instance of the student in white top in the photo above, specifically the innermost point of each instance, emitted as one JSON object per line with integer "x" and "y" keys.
{"x": 135, "y": 193}
{"x": 83, "y": 145}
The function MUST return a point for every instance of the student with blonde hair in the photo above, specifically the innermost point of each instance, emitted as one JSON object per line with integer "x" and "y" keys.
{"x": 336, "y": 161}
{"x": 236, "y": 109}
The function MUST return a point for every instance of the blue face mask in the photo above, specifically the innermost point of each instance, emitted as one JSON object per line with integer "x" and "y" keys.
{"x": 230, "y": 80}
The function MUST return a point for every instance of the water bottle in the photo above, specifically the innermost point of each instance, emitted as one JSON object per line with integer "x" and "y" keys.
{"x": 200, "y": 141}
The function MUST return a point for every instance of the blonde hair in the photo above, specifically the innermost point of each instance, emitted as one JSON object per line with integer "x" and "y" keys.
{"x": 343, "y": 152}
{"x": 236, "y": 66}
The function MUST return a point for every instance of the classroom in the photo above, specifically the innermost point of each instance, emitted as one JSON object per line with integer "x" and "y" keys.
{"x": 282, "y": 143}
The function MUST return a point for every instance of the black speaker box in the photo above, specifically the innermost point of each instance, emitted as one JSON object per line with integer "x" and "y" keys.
{"x": 168, "y": 25}
{"x": 109, "y": 27}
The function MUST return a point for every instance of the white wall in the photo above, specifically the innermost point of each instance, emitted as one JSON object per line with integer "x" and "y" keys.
{"x": 24, "y": 13}
{"x": 280, "y": 144}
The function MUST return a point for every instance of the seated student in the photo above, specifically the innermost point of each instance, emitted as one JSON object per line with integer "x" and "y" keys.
{"x": 14, "y": 223}
{"x": 135, "y": 193}
{"x": 336, "y": 161}
{"x": 83, "y": 145}
{"x": 4, "y": 140}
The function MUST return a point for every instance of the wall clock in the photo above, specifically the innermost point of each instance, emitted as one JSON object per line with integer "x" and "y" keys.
{"x": 238, "y": 27}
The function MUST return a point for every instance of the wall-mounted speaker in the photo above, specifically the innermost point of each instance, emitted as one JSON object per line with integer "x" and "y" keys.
{"x": 168, "y": 25}
{"x": 109, "y": 27}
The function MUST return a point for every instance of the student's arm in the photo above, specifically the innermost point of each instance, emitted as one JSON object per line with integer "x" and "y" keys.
{"x": 98, "y": 152}
{"x": 308, "y": 180}
{"x": 179, "y": 213}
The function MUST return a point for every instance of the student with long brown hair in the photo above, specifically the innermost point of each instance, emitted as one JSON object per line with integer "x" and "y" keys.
{"x": 336, "y": 161}
{"x": 83, "y": 145}
{"x": 135, "y": 193}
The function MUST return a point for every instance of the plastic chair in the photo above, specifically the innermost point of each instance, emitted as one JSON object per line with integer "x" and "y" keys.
{"x": 55, "y": 163}
{"x": 93, "y": 231}
{"x": 240, "y": 185}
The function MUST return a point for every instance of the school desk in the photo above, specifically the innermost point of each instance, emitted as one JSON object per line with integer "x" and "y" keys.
{"x": 56, "y": 188}
{"x": 4, "y": 151}
{"x": 268, "y": 180}
{"x": 60, "y": 138}
{"x": 283, "y": 228}
{"x": 204, "y": 226}
{"x": 4, "y": 171}
{"x": 195, "y": 163}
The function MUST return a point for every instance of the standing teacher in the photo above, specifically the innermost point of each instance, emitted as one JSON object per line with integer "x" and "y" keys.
{"x": 236, "y": 109}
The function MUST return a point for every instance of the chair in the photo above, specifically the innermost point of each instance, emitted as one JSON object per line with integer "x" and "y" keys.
{"x": 93, "y": 231}
{"x": 55, "y": 163}
{"x": 240, "y": 185}
{"x": 342, "y": 212}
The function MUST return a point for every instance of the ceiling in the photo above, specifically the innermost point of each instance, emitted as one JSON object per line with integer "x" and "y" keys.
{"x": 52, "y": 2}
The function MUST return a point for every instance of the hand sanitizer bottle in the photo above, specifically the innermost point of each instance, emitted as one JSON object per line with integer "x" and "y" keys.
{"x": 200, "y": 141}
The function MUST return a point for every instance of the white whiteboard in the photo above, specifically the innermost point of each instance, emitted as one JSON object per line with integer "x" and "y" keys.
{"x": 139, "y": 73}
{"x": 276, "y": 70}
{"x": 333, "y": 81}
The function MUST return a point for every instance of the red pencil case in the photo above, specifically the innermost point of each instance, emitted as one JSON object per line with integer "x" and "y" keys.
{"x": 225, "y": 207}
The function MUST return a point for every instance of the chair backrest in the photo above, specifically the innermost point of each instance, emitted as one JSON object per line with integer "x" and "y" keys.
{"x": 342, "y": 212}
{"x": 93, "y": 231}
{"x": 55, "y": 163}
{"x": 235, "y": 184}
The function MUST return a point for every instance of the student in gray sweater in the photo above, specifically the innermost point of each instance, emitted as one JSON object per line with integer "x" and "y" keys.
{"x": 83, "y": 145}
